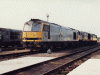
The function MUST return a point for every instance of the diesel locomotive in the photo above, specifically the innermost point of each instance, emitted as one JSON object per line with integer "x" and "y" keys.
{"x": 10, "y": 37}
{"x": 98, "y": 39}
{"x": 39, "y": 33}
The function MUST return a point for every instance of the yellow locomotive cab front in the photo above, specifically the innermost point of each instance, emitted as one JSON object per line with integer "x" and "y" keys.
{"x": 32, "y": 36}
{"x": 32, "y": 32}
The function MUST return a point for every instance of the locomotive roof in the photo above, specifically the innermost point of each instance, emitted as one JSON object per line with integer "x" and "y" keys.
{"x": 44, "y": 21}
{"x": 50, "y": 23}
{"x": 53, "y": 24}
{"x": 58, "y": 25}
{"x": 4, "y": 29}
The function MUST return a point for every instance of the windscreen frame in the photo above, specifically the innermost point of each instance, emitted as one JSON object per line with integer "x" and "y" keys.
{"x": 28, "y": 23}
{"x": 37, "y": 24}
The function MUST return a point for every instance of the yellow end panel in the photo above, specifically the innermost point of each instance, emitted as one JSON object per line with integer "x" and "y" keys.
{"x": 94, "y": 39}
{"x": 79, "y": 37}
{"x": 24, "y": 35}
{"x": 32, "y": 35}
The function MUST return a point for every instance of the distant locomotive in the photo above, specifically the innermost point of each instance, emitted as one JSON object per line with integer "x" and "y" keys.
{"x": 39, "y": 33}
{"x": 10, "y": 37}
{"x": 98, "y": 39}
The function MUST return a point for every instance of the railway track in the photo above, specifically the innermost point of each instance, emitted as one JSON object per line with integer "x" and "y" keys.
{"x": 11, "y": 48}
{"x": 45, "y": 68}
{"x": 18, "y": 53}
{"x": 6, "y": 55}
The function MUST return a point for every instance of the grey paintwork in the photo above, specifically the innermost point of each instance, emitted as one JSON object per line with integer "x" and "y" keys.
{"x": 6, "y": 34}
{"x": 59, "y": 33}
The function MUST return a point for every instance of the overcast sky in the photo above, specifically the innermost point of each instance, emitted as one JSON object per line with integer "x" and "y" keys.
{"x": 83, "y": 15}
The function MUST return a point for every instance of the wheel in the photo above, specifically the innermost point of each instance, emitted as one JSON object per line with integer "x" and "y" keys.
{"x": 44, "y": 48}
{"x": 31, "y": 47}
{"x": 24, "y": 46}
{"x": 13, "y": 45}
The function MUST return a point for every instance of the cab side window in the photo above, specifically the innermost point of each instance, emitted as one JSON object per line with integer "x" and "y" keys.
{"x": 74, "y": 35}
{"x": 46, "y": 28}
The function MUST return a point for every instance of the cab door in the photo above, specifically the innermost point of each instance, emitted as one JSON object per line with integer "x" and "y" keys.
{"x": 48, "y": 31}
{"x": 74, "y": 35}
{"x": 46, "y": 28}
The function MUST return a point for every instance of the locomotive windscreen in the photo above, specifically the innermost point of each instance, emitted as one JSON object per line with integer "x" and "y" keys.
{"x": 35, "y": 26}
{"x": 27, "y": 27}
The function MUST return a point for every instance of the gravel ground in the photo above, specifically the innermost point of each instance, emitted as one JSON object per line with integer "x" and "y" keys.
{"x": 58, "y": 53}
{"x": 53, "y": 54}
{"x": 65, "y": 70}
{"x": 14, "y": 51}
{"x": 96, "y": 55}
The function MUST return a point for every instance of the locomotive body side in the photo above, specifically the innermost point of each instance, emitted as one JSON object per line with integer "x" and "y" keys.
{"x": 48, "y": 35}
{"x": 60, "y": 36}
{"x": 94, "y": 38}
{"x": 9, "y": 37}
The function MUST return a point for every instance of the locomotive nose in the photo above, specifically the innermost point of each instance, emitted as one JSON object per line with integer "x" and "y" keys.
{"x": 32, "y": 36}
